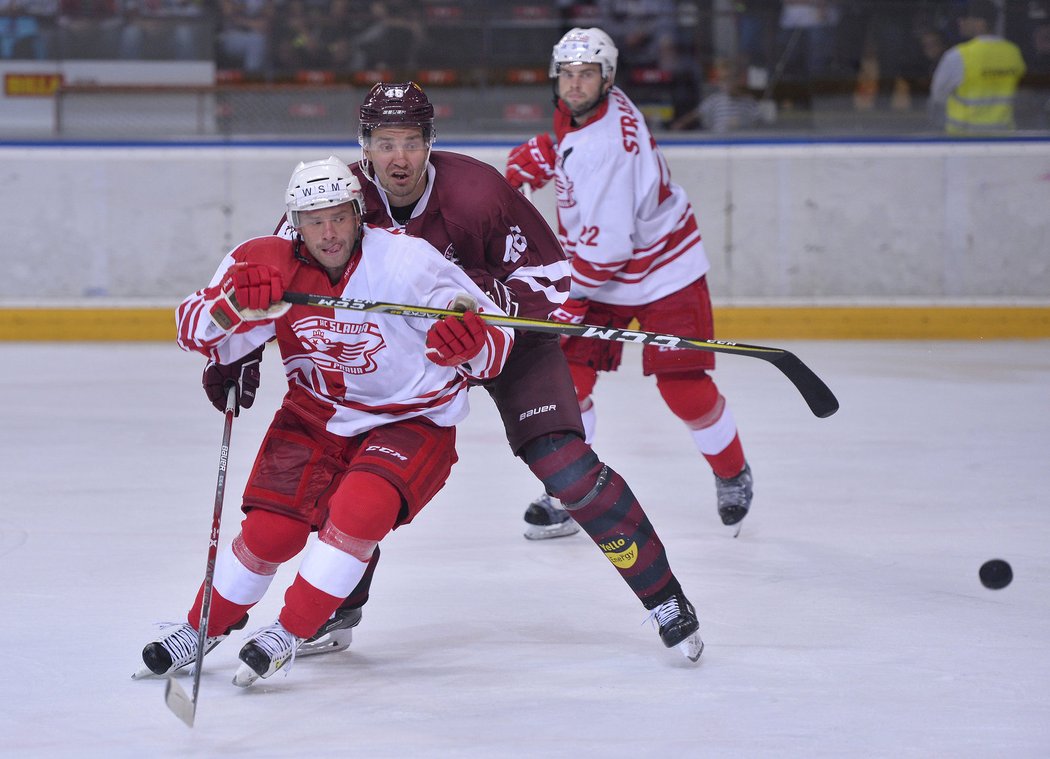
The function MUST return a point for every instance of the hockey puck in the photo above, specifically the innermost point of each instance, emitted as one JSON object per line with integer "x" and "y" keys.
{"x": 996, "y": 574}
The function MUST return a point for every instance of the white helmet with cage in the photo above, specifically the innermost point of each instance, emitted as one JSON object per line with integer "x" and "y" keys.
{"x": 585, "y": 46}
{"x": 320, "y": 184}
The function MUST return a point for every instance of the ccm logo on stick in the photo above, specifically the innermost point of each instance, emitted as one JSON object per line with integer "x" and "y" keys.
{"x": 537, "y": 410}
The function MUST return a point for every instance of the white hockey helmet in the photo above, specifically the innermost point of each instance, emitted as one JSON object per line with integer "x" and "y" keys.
{"x": 585, "y": 46}
{"x": 320, "y": 184}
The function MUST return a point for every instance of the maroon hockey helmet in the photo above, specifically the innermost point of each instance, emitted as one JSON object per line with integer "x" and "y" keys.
{"x": 400, "y": 104}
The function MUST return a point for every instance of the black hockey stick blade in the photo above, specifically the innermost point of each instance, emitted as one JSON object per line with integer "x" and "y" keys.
{"x": 818, "y": 396}
{"x": 177, "y": 700}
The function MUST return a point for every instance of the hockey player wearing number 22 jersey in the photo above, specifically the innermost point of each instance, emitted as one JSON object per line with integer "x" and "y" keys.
{"x": 635, "y": 250}
{"x": 365, "y": 435}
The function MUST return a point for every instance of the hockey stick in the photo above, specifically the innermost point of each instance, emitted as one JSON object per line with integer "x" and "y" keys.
{"x": 184, "y": 707}
{"x": 818, "y": 396}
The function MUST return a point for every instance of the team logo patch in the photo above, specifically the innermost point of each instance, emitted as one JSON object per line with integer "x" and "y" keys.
{"x": 340, "y": 346}
{"x": 621, "y": 551}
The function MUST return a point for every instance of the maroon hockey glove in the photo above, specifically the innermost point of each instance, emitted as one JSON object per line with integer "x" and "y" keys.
{"x": 498, "y": 292}
{"x": 454, "y": 340}
{"x": 248, "y": 292}
{"x": 571, "y": 311}
{"x": 532, "y": 163}
{"x": 242, "y": 374}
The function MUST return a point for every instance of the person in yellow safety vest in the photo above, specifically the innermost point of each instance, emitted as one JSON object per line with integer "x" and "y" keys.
{"x": 975, "y": 81}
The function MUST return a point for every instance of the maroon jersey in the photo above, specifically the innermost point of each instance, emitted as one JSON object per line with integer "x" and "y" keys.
{"x": 478, "y": 221}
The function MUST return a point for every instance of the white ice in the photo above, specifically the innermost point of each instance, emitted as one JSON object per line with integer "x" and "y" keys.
{"x": 846, "y": 621}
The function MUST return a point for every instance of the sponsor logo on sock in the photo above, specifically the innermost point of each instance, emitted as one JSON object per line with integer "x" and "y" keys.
{"x": 621, "y": 551}
{"x": 537, "y": 410}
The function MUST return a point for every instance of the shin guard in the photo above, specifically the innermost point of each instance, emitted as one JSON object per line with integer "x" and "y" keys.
{"x": 602, "y": 504}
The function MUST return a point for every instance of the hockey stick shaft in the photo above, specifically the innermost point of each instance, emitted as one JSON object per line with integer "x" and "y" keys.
{"x": 174, "y": 696}
{"x": 818, "y": 396}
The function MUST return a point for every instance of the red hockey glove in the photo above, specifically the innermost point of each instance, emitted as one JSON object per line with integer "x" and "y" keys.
{"x": 532, "y": 163}
{"x": 571, "y": 311}
{"x": 455, "y": 340}
{"x": 243, "y": 374}
{"x": 249, "y": 293}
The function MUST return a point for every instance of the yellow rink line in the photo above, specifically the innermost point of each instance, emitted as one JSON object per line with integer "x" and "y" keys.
{"x": 742, "y": 323}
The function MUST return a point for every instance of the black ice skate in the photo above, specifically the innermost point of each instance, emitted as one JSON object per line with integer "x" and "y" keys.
{"x": 335, "y": 635}
{"x": 734, "y": 498}
{"x": 266, "y": 651}
{"x": 679, "y": 627}
{"x": 545, "y": 518}
{"x": 176, "y": 647}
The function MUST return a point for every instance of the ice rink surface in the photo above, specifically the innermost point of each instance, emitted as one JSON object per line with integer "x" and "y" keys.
{"x": 846, "y": 621}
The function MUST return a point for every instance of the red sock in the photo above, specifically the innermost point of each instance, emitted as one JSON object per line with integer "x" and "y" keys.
{"x": 221, "y": 614}
{"x": 729, "y": 461}
{"x": 306, "y": 608}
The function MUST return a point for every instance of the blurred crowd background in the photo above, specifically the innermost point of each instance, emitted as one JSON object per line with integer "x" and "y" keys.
{"x": 832, "y": 65}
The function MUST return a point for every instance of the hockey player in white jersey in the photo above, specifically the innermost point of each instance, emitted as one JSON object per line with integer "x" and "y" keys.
{"x": 635, "y": 249}
{"x": 365, "y": 435}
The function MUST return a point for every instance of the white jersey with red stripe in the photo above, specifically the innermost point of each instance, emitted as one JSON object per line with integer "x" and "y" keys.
{"x": 351, "y": 371}
{"x": 629, "y": 231}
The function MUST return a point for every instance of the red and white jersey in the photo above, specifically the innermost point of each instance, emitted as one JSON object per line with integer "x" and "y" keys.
{"x": 629, "y": 231}
{"x": 351, "y": 371}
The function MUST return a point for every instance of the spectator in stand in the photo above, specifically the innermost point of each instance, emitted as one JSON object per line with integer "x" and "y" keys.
{"x": 975, "y": 82}
{"x": 303, "y": 42}
{"x": 1035, "y": 38}
{"x": 244, "y": 35}
{"x": 757, "y": 22}
{"x": 643, "y": 30}
{"x": 806, "y": 46}
{"x": 88, "y": 29}
{"x": 930, "y": 47}
{"x": 165, "y": 29}
{"x": 881, "y": 33}
{"x": 392, "y": 37}
{"x": 658, "y": 62}
{"x": 19, "y": 30}
{"x": 728, "y": 107}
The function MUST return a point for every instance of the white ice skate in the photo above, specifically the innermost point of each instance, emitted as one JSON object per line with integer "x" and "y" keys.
{"x": 266, "y": 651}
{"x": 176, "y": 648}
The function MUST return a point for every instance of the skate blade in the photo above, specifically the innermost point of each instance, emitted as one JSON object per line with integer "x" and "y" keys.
{"x": 547, "y": 531}
{"x": 245, "y": 676}
{"x": 337, "y": 640}
{"x": 691, "y": 647}
{"x": 733, "y": 530}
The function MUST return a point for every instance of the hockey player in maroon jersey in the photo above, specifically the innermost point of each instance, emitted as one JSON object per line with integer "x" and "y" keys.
{"x": 636, "y": 252}
{"x": 365, "y": 436}
{"x": 465, "y": 209}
